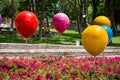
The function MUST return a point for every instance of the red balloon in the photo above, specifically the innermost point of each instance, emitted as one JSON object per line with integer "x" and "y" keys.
{"x": 26, "y": 23}
{"x": 60, "y": 22}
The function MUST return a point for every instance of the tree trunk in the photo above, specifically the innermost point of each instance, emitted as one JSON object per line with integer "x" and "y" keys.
{"x": 80, "y": 14}
{"x": 47, "y": 22}
{"x": 73, "y": 2}
{"x": 86, "y": 14}
{"x": 13, "y": 13}
{"x": 32, "y": 6}
{"x": 42, "y": 18}
{"x": 107, "y": 4}
{"x": 109, "y": 12}
{"x": 95, "y": 4}
{"x": 55, "y": 7}
{"x": 112, "y": 16}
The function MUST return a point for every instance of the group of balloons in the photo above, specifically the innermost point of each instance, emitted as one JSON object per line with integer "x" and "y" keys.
{"x": 96, "y": 37}
{"x": 26, "y": 23}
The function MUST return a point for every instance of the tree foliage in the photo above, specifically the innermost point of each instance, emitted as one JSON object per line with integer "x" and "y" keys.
{"x": 75, "y": 9}
{"x": 5, "y": 8}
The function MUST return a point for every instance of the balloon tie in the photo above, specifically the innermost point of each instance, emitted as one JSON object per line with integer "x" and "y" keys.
{"x": 94, "y": 64}
{"x": 27, "y": 46}
{"x": 60, "y": 36}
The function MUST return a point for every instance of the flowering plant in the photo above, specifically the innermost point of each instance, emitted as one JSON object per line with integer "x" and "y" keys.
{"x": 60, "y": 69}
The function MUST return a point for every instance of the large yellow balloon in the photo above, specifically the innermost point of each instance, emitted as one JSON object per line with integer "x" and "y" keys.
{"x": 102, "y": 20}
{"x": 94, "y": 39}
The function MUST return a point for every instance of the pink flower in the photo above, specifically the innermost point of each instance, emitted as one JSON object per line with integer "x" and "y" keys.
{"x": 5, "y": 70}
{"x": 12, "y": 76}
{"x": 86, "y": 67}
{"x": 39, "y": 77}
{"x": 56, "y": 78}
{"x": 64, "y": 70}
{"x": 24, "y": 78}
{"x": 48, "y": 76}
{"x": 73, "y": 76}
{"x": 59, "y": 65}
{"x": 28, "y": 74}
{"x": 105, "y": 71}
{"x": 117, "y": 69}
{"x": 1, "y": 77}
{"x": 97, "y": 74}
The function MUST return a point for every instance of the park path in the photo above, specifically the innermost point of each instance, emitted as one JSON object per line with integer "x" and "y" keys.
{"x": 37, "y": 50}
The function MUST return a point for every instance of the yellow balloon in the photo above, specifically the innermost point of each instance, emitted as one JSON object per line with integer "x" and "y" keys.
{"x": 94, "y": 39}
{"x": 102, "y": 20}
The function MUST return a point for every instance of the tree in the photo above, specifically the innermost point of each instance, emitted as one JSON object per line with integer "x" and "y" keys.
{"x": 5, "y": 8}
{"x": 77, "y": 6}
{"x": 95, "y": 7}
{"x": 85, "y": 13}
{"x": 32, "y": 6}
{"x": 109, "y": 12}
{"x": 75, "y": 9}
{"x": 116, "y": 15}
{"x": 42, "y": 18}
{"x": 12, "y": 12}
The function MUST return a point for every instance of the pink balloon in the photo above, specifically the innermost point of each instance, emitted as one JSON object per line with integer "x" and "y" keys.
{"x": 60, "y": 22}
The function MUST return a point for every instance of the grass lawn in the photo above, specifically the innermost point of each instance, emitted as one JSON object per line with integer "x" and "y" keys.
{"x": 67, "y": 36}
{"x": 116, "y": 41}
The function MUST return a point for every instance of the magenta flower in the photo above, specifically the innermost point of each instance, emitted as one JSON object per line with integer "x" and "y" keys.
{"x": 117, "y": 69}
{"x": 48, "y": 76}
{"x": 56, "y": 78}
{"x": 1, "y": 77}
{"x": 86, "y": 67}
{"x": 73, "y": 76}
{"x": 105, "y": 71}
{"x": 59, "y": 65}
{"x": 24, "y": 78}
{"x": 64, "y": 70}
{"x": 12, "y": 76}
{"x": 39, "y": 77}
{"x": 5, "y": 70}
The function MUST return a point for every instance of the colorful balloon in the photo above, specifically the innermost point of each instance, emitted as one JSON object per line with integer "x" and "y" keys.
{"x": 0, "y": 18}
{"x": 26, "y": 23}
{"x": 102, "y": 20}
{"x": 109, "y": 32}
{"x": 94, "y": 39}
{"x": 60, "y": 22}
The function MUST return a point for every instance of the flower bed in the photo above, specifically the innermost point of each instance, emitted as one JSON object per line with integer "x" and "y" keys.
{"x": 60, "y": 69}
